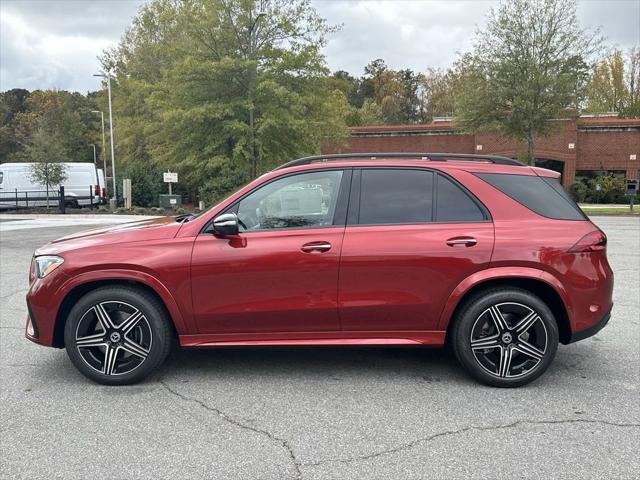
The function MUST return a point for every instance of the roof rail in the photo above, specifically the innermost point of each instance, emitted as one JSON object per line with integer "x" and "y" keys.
{"x": 432, "y": 157}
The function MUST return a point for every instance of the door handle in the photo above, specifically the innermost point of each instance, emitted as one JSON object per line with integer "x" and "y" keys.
{"x": 319, "y": 247}
{"x": 462, "y": 242}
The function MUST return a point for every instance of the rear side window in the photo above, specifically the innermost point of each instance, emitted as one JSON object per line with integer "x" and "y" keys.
{"x": 391, "y": 196}
{"x": 544, "y": 196}
{"x": 453, "y": 204}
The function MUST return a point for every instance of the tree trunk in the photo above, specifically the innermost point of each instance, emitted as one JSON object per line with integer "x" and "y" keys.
{"x": 530, "y": 146}
{"x": 252, "y": 87}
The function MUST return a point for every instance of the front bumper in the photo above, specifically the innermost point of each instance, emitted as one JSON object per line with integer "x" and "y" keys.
{"x": 591, "y": 331}
{"x": 43, "y": 301}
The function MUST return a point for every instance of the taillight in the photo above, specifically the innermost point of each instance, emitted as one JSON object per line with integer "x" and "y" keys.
{"x": 97, "y": 189}
{"x": 595, "y": 241}
{"x": 104, "y": 192}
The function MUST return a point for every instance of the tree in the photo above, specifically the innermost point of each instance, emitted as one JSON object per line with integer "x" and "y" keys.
{"x": 201, "y": 81}
{"x": 386, "y": 89}
{"x": 369, "y": 114}
{"x": 350, "y": 86}
{"x": 411, "y": 92}
{"x": 606, "y": 91}
{"x": 47, "y": 156}
{"x": 528, "y": 67}
{"x": 65, "y": 117}
{"x": 48, "y": 173}
{"x": 632, "y": 78}
{"x": 437, "y": 94}
{"x": 615, "y": 84}
{"x": 12, "y": 103}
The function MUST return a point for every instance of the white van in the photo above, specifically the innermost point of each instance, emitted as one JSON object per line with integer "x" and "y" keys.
{"x": 17, "y": 189}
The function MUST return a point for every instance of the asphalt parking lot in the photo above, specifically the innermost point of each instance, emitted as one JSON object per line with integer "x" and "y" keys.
{"x": 321, "y": 413}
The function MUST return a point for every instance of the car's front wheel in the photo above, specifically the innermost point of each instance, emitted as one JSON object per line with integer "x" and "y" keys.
{"x": 117, "y": 336}
{"x": 505, "y": 337}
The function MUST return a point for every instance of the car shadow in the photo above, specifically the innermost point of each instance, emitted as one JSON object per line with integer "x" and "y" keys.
{"x": 429, "y": 364}
{"x": 332, "y": 364}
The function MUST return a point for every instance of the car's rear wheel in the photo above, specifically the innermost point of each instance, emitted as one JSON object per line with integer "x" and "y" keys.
{"x": 117, "y": 336}
{"x": 505, "y": 337}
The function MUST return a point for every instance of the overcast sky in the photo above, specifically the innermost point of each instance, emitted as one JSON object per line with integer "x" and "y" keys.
{"x": 55, "y": 44}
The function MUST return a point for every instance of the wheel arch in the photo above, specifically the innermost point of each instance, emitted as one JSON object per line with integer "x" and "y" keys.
{"x": 553, "y": 295}
{"x": 81, "y": 287}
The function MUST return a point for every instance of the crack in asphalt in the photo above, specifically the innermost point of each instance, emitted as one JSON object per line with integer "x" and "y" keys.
{"x": 413, "y": 443}
{"x": 233, "y": 421}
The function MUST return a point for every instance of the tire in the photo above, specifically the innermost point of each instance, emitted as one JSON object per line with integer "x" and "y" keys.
{"x": 127, "y": 344}
{"x": 505, "y": 337}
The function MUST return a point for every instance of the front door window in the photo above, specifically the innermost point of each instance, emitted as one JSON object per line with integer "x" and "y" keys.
{"x": 297, "y": 201}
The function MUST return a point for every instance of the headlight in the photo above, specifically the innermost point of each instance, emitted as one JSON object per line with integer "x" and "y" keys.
{"x": 46, "y": 264}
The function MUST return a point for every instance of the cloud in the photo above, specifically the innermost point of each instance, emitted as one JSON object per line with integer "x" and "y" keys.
{"x": 421, "y": 34}
{"x": 55, "y": 43}
{"x": 406, "y": 34}
{"x": 619, "y": 20}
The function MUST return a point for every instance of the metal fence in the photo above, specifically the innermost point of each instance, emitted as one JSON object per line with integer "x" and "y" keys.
{"x": 20, "y": 199}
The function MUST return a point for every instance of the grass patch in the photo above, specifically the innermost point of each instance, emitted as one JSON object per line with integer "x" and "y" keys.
{"x": 621, "y": 210}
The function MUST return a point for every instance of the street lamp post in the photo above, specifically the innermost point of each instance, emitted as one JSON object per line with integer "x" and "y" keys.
{"x": 94, "y": 153}
{"x": 114, "y": 199}
{"x": 252, "y": 85}
{"x": 104, "y": 148}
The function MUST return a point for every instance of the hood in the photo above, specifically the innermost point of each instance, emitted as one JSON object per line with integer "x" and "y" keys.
{"x": 153, "y": 229}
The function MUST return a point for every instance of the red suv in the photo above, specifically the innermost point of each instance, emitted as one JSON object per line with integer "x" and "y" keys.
{"x": 479, "y": 252}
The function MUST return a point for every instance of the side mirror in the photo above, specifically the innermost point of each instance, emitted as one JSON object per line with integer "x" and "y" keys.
{"x": 226, "y": 224}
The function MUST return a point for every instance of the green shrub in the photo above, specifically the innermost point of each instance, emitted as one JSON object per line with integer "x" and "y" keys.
{"x": 579, "y": 191}
{"x": 146, "y": 183}
{"x": 612, "y": 190}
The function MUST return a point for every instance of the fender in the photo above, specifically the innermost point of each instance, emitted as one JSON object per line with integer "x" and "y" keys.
{"x": 502, "y": 273}
{"x": 134, "y": 275}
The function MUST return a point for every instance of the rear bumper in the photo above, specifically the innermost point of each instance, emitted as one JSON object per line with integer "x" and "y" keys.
{"x": 591, "y": 331}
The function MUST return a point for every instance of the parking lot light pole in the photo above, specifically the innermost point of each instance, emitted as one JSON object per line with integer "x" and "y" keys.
{"x": 104, "y": 148}
{"x": 114, "y": 199}
{"x": 252, "y": 85}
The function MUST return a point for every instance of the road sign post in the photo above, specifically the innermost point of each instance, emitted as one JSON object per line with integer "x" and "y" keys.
{"x": 632, "y": 191}
{"x": 170, "y": 178}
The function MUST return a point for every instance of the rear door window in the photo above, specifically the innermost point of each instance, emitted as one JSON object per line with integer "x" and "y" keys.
{"x": 544, "y": 196}
{"x": 395, "y": 196}
{"x": 454, "y": 205}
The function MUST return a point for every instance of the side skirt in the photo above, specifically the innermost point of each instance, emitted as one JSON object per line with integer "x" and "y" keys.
{"x": 435, "y": 338}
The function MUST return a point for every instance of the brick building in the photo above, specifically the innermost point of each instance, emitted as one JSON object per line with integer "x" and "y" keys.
{"x": 578, "y": 148}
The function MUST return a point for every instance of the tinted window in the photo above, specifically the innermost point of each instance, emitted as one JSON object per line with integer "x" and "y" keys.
{"x": 395, "y": 196}
{"x": 545, "y": 196}
{"x": 453, "y": 204}
{"x": 305, "y": 200}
